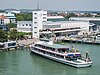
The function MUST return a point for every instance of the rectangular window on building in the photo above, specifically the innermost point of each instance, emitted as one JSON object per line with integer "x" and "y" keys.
{"x": 26, "y": 24}
{"x": 1, "y": 19}
{"x": 29, "y": 24}
{"x": 1, "y": 22}
{"x": 44, "y": 17}
{"x": 35, "y": 27}
{"x": 44, "y": 14}
{"x": 35, "y": 22}
{"x": 44, "y": 21}
{"x": 35, "y": 32}
{"x": 35, "y": 13}
{"x": 35, "y": 17}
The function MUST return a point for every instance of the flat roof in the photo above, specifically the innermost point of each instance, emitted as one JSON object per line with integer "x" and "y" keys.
{"x": 84, "y": 17}
{"x": 55, "y": 45}
{"x": 62, "y": 22}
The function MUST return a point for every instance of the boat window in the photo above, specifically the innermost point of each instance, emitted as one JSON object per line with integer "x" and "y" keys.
{"x": 62, "y": 50}
{"x": 53, "y": 49}
{"x": 59, "y": 56}
{"x": 35, "y": 48}
{"x": 52, "y": 54}
{"x": 67, "y": 50}
{"x": 11, "y": 44}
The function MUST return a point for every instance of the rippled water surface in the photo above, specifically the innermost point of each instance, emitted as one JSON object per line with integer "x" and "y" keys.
{"x": 22, "y": 62}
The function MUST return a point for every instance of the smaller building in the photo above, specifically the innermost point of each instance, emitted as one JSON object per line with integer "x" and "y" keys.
{"x": 4, "y": 20}
{"x": 24, "y": 26}
{"x": 10, "y": 16}
{"x": 15, "y": 11}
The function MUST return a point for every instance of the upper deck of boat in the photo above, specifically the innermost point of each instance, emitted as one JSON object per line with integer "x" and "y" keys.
{"x": 55, "y": 46}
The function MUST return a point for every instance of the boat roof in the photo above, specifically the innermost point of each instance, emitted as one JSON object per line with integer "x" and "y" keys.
{"x": 1, "y": 43}
{"x": 55, "y": 45}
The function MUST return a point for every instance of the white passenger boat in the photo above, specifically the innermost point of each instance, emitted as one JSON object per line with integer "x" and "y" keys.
{"x": 64, "y": 54}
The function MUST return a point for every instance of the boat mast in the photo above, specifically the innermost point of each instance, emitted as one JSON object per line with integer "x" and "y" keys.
{"x": 87, "y": 54}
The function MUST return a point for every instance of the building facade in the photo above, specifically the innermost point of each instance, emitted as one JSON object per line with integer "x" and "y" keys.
{"x": 39, "y": 17}
{"x": 24, "y": 26}
{"x": 63, "y": 28}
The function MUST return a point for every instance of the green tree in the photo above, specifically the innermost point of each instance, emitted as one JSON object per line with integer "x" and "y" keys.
{"x": 28, "y": 17}
{"x": 21, "y": 35}
{"x": 19, "y": 18}
{"x": 70, "y": 15}
{"x": 87, "y": 15}
{"x": 12, "y": 25}
{"x": 24, "y": 17}
{"x": 3, "y": 36}
{"x": 13, "y": 35}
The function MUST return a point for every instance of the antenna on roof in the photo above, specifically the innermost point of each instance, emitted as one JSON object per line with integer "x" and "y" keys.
{"x": 38, "y": 6}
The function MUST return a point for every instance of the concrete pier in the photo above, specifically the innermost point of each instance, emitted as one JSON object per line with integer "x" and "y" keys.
{"x": 84, "y": 40}
{"x": 26, "y": 42}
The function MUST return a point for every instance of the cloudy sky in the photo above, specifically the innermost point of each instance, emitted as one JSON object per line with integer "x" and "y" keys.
{"x": 52, "y": 4}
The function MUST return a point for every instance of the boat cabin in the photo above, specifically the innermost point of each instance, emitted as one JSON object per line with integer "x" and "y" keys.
{"x": 59, "y": 51}
{"x": 10, "y": 44}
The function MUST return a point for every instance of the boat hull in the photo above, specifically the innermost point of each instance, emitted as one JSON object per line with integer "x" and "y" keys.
{"x": 77, "y": 65}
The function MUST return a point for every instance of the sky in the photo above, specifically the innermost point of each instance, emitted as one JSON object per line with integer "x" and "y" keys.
{"x": 87, "y": 5}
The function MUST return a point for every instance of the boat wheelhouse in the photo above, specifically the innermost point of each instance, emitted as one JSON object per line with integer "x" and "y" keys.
{"x": 10, "y": 44}
{"x": 64, "y": 54}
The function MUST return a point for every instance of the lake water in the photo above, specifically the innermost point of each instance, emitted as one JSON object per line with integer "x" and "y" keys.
{"x": 22, "y": 62}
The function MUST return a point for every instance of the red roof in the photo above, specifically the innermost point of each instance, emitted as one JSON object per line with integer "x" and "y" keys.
{"x": 3, "y": 17}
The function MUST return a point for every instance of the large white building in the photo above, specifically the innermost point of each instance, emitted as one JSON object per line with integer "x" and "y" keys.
{"x": 40, "y": 25}
{"x": 67, "y": 27}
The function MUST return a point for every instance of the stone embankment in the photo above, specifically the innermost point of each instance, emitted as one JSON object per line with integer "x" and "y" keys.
{"x": 26, "y": 42}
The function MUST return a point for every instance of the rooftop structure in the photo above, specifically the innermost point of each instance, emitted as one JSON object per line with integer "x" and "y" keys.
{"x": 84, "y": 18}
{"x": 55, "y": 45}
{"x": 8, "y": 15}
{"x": 55, "y": 17}
{"x": 3, "y": 17}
